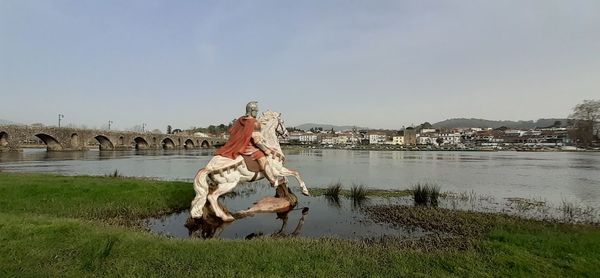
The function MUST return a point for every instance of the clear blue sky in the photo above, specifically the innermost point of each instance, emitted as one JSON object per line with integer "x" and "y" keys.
{"x": 379, "y": 64}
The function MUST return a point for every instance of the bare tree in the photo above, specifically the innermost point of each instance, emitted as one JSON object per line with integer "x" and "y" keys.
{"x": 585, "y": 121}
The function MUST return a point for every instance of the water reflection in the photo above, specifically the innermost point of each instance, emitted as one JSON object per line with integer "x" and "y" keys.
{"x": 206, "y": 227}
{"x": 333, "y": 201}
{"x": 359, "y": 202}
{"x": 212, "y": 227}
{"x": 284, "y": 218}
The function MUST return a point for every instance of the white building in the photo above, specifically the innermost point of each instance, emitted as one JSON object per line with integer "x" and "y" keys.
{"x": 302, "y": 137}
{"x": 328, "y": 140}
{"x": 426, "y": 140}
{"x": 377, "y": 138}
{"x": 450, "y": 138}
{"x": 342, "y": 140}
{"x": 398, "y": 140}
{"x": 294, "y": 136}
{"x": 308, "y": 137}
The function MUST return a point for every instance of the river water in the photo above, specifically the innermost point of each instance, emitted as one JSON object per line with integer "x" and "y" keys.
{"x": 550, "y": 176}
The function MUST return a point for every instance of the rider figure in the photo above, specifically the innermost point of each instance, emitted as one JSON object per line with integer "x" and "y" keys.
{"x": 246, "y": 139}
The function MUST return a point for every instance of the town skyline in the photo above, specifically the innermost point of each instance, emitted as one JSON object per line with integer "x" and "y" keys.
{"x": 307, "y": 126}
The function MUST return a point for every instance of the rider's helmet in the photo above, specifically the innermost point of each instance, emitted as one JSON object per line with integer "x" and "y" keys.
{"x": 252, "y": 109}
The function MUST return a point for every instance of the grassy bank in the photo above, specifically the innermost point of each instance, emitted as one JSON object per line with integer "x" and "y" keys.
{"x": 93, "y": 198}
{"x": 84, "y": 226}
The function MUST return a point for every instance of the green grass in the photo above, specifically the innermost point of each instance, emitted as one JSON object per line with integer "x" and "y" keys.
{"x": 62, "y": 226}
{"x": 104, "y": 198}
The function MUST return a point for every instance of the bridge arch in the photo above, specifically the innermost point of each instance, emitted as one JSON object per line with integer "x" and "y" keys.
{"x": 121, "y": 141}
{"x": 3, "y": 139}
{"x": 205, "y": 144}
{"x": 140, "y": 143}
{"x": 168, "y": 144}
{"x": 189, "y": 144}
{"x": 105, "y": 143}
{"x": 51, "y": 143}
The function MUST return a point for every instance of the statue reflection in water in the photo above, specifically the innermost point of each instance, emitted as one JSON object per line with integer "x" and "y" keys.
{"x": 284, "y": 201}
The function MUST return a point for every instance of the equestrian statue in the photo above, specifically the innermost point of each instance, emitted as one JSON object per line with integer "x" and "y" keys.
{"x": 251, "y": 153}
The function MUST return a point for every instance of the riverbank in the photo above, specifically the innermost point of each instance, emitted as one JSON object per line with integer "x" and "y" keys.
{"x": 74, "y": 226}
{"x": 426, "y": 148}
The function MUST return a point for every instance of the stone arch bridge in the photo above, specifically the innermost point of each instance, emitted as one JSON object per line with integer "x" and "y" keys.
{"x": 14, "y": 137}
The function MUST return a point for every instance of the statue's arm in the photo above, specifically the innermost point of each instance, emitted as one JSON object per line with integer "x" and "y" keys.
{"x": 259, "y": 142}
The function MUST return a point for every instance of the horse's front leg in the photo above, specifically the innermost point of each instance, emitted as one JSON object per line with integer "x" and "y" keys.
{"x": 288, "y": 172}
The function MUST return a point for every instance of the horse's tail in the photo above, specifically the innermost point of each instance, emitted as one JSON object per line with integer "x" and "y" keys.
{"x": 201, "y": 188}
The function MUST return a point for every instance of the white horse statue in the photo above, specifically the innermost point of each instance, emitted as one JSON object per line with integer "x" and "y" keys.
{"x": 223, "y": 174}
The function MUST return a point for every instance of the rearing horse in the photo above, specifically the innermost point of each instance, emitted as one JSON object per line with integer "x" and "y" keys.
{"x": 223, "y": 174}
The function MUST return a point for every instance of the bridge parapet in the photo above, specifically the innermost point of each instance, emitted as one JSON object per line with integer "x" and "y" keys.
{"x": 14, "y": 137}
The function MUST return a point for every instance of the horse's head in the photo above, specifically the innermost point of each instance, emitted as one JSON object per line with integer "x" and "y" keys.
{"x": 272, "y": 123}
{"x": 280, "y": 129}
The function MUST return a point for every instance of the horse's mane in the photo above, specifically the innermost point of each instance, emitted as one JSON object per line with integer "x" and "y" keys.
{"x": 267, "y": 116}
{"x": 269, "y": 135}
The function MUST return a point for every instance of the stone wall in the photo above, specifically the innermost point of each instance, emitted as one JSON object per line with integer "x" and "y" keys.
{"x": 13, "y": 137}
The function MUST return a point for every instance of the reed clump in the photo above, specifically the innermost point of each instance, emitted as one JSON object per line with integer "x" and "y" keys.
{"x": 333, "y": 190}
{"x": 426, "y": 194}
{"x": 358, "y": 193}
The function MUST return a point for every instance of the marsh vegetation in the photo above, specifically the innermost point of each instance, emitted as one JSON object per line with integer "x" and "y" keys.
{"x": 101, "y": 217}
{"x": 426, "y": 194}
{"x": 358, "y": 193}
{"x": 333, "y": 191}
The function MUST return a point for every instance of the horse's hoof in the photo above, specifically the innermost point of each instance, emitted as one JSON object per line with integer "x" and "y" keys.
{"x": 227, "y": 218}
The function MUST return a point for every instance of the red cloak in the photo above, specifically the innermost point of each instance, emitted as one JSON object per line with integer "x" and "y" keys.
{"x": 240, "y": 135}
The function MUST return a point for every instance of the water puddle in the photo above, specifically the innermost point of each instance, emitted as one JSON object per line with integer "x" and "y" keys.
{"x": 313, "y": 217}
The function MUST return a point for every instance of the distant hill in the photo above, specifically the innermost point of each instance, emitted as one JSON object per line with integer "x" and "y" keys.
{"x": 463, "y": 122}
{"x": 328, "y": 127}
